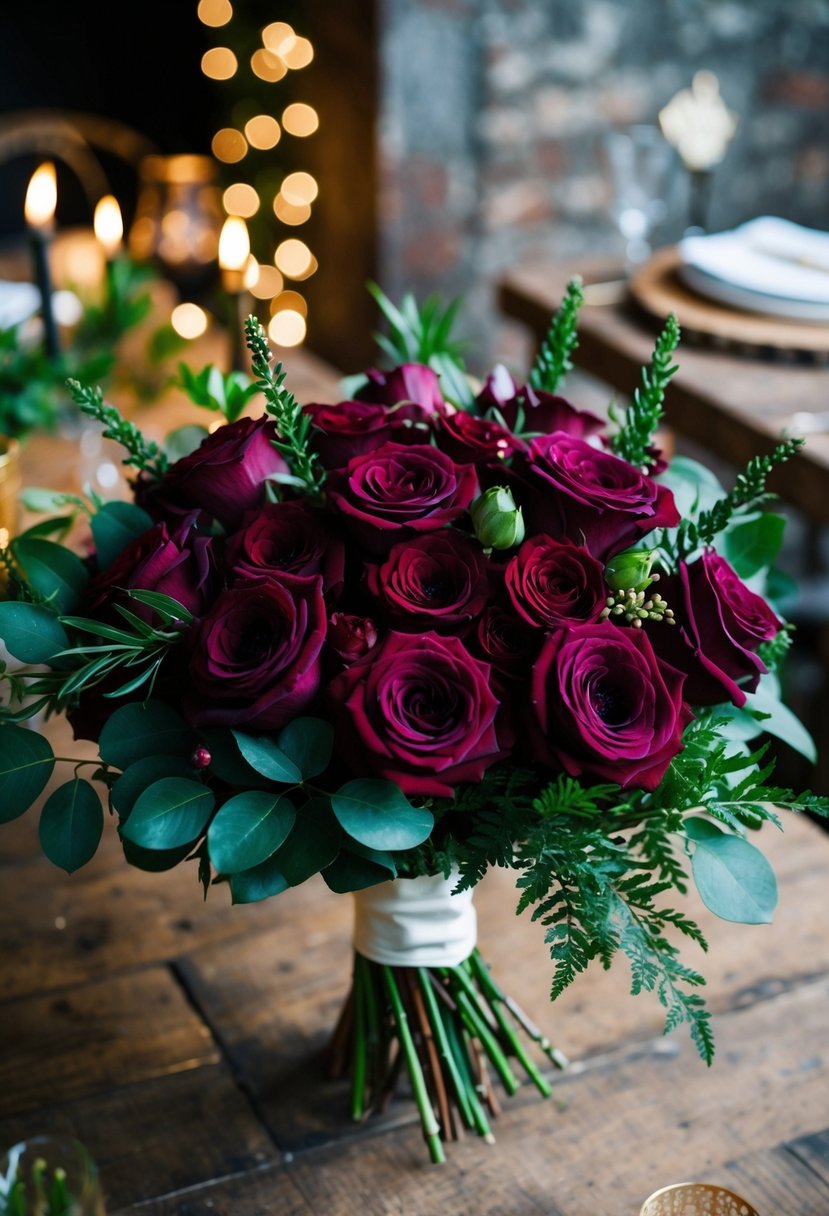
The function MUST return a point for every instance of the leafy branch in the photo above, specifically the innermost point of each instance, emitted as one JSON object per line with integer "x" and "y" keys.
{"x": 143, "y": 454}
{"x": 423, "y": 334}
{"x": 748, "y": 493}
{"x": 292, "y": 423}
{"x": 554, "y": 358}
{"x": 634, "y": 439}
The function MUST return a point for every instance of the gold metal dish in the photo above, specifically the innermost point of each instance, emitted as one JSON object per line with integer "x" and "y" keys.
{"x": 696, "y": 1199}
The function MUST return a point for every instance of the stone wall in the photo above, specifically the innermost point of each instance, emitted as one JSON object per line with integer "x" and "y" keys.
{"x": 492, "y": 114}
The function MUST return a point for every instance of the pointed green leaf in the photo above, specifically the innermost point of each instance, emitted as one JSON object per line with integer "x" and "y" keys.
{"x": 55, "y": 573}
{"x": 781, "y": 722}
{"x": 71, "y": 825}
{"x": 355, "y": 870}
{"x": 26, "y": 764}
{"x": 378, "y": 815}
{"x": 248, "y": 829}
{"x": 753, "y": 544}
{"x": 143, "y": 773}
{"x": 32, "y": 633}
{"x": 171, "y": 812}
{"x": 263, "y": 754}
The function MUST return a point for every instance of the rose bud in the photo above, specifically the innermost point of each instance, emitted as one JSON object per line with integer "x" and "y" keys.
{"x": 498, "y": 522}
{"x": 630, "y": 571}
{"x": 415, "y": 382}
{"x": 350, "y": 637}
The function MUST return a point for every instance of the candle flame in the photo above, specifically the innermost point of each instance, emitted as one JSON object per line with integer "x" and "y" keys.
{"x": 234, "y": 244}
{"x": 42, "y": 196}
{"x": 108, "y": 224}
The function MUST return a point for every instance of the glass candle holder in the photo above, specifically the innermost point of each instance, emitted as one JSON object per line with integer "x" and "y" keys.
{"x": 49, "y": 1176}
{"x": 696, "y": 1199}
{"x": 178, "y": 218}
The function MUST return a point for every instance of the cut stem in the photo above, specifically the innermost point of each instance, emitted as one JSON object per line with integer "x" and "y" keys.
{"x": 431, "y": 1130}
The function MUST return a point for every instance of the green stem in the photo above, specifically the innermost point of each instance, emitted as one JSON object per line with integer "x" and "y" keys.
{"x": 373, "y": 1039}
{"x": 478, "y": 1027}
{"x": 431, "y": 1130}
{"x": 358, "y": 1080}
{"x": 508, "y": 1031}
{"x": 439, "y": 1032}
{"x": 527, "y": 1025}
{"x": 479, "y": 1119}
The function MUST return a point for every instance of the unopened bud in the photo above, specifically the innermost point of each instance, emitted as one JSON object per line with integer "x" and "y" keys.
{"x": 630, "y": 571}
{"x": 497, "y": 521}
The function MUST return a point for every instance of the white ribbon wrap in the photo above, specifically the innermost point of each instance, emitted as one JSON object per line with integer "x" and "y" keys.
{"x": 415, "y": 922}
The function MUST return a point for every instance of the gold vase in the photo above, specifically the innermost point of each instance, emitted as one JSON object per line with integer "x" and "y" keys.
{"x": 10, "y": 485}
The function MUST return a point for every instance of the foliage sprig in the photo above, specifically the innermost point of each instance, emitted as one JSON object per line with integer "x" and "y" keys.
{"x": 634, "y": 439}
{"x": 292, "y": 423}
{"x": 423, "y": 334}
{"x": 142, "y": 453}
{"x": 555, "y": 357}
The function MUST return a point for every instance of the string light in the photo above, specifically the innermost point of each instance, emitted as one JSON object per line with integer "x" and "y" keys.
{"x": 269, "y": 283}
{"x": 298, "y": 55}
{"x": 300, "y": 119}
{"x": 293, "y": 258}
{"x": 287, "y": 327}
{"x": 241, "y": 199}
{"x": 299, "y": 189}
{"x": 229, "y": 145}
{"x": 262, "y": 131}
{"x": 215, "y": 12}
{"x": 219, "y": 63}
{"x": 189, "y": 321}
{"x": 278, "y": 35}
{"x": 267, "y": 66}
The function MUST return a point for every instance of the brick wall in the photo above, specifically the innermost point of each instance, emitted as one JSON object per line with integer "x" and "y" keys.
{"x": 492, "y": 114}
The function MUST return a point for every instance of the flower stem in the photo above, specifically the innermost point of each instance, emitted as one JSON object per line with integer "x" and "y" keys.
{"x": 358, "y": 1080}
{"x": 476, "y": 1024}
{"x": 508, "y": 1031}
{"x": 431, "y": 1130}
{"x": 439, "y": 1031}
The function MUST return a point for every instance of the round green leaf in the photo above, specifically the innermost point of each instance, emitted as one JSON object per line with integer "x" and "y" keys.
{"x": 171, "y": 812}
{"x": 148, "y": 728}
{"x": 135, "y": 779}
{"x": 26, "y": 764}
{"x": 354, "y": 871}
{"x": 379, "y": 815}
{"x": 56, "y": 573}
{"x": 308, "y": 742}
{"x": 313, "y": 844}
{"x": 31, "y": 632}
{"x": 71, "y": 825}
{"x": 248, "y": 829}
{"x": 262, "y": 881}
{"x": 269, "y": 760}
{"x": 114, "y": 526}
{"x": 226, "y": 762}
{"x": 153, "y": 861}
{"x": 733, "y": 877}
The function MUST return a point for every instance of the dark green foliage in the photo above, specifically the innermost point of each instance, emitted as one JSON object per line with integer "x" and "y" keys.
{"x": 634, "y": 439}
{"x": 423, "y": 334}
{"x": 555, "y": 357}
{"x": 142, "y": 454}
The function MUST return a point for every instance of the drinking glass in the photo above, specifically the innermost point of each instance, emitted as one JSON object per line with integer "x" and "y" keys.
{"x": 640, "y": 161}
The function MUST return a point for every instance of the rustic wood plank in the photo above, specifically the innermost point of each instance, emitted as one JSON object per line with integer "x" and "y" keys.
{"x": 265, "y": 1192}
{"x": 774, "y": 1181}
{"x": 88, "y": 1039}
{"x": 813, "y": 1151}
{"x": 157, "y": 1136}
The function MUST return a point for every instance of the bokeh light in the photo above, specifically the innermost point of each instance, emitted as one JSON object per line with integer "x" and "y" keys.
{"x": 298, "y": 55}
{"x": 219, "y": 63}
{"x": 189, "y": 321}
{"x": 241, "y": 199}
{"x": 262, "y": 131}
{"x": 269, "y": 283}
{"x": 229, "y": 145}
{"x": 299, "y": 189}
{"x": 215, "y": 12}
{"x": 289, "y": 213}
{"x": 267, "y": 66}
{"x": 300, "y": 119}
{"x": 293, "y": 258}
{"x": 287, "y": 327}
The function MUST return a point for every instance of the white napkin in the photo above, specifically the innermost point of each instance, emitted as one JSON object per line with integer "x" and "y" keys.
{"x": 767, "y": 256}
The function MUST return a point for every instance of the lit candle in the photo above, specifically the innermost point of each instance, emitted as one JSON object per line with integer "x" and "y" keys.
{"x": 234, "y": 254}
{"x": 41, "y": 201}
{"x": 109, "y": 230}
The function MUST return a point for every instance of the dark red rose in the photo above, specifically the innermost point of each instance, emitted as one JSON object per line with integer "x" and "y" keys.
{"x": 507, "y": 644}
{"x": 720, "y": 623}
{"x": 175, "y": 560}
{"x": 348, "y": 429}
{"x": 418, "y": 710}
{"x": 527, "y": 411}
{"x": 554, "y": 583}
{"x": 498, "y": 388}
{"x": 225, "y": 476}
{"x": 289, "y": 537}
{"x": 388, "y": 495}
{"x": 575, "y": 491}
{"x": 255, "y": 658}
{"x": 409, "y": 382}
{"x": 438, "y": 581}
{"x": 351, "y": 637}
{"x": 604, "y": 706}
{"x": 471, "y": 440}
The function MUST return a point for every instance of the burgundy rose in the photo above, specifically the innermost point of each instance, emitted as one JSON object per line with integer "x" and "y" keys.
{"x": 177, "y": 561}
{"x": 289, "y": 537}
{"x": 720, "y": 624}
{"x": 471, "y": 440}
{"x": 397, "y": 491}
{"x": 438, "y": 581}
{"x": 603, "y": 705}
{"x": 255, "y": 658}
{"x": 409, "y": 382}
{"x": 529, "y": 412}
{"x": 554, "y": 583}
{"x": 225, "y": 476}
{"x": 507, "y": 644}
{"x": 350, "y": 637}
{"x": 575, "y": 491}
{"x": 498, "y": 388}
{"x": 348, "y": 429}
{"x": 418, "y": 710}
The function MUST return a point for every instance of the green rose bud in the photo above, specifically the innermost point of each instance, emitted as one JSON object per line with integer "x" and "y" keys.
{"x": 498, "y": 522}
{"x": 630, "y": 571}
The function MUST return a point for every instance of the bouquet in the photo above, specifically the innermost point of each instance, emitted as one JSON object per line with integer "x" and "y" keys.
{"x": 436, "y": 628}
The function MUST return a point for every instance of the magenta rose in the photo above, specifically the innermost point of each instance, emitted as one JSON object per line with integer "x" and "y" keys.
{"x": 553, "y": 583}
{"x": 255, "y": 657}
{"x": 574, "y": 491}
{"x": 175, "y": 560}
{"x": 437, "y": 581}
{"x": 413, "y": 382}
{"x": 507, "y": 644}
{"x": 720, "y": 623}
{"x": 287, "y": 537}
{"x": 348, "y": 429}
{"x": 397, "y": 491}
{"x": 527, "y": 411}
{"x": 350, "y": 637}
{"x": 418, "y": 710}
{"x": 471, "y": 440}
{"x": 225, "y": 476}
{"x": 603, "y": 705}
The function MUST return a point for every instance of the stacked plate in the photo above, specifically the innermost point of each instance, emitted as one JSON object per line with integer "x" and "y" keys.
{"x": 768, "y": 266}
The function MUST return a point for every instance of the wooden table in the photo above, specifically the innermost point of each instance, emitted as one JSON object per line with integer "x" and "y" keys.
{"x": 735, "y": 405}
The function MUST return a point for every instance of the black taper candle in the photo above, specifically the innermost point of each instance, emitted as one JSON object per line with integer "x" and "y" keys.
{"x": 43, "y": 278}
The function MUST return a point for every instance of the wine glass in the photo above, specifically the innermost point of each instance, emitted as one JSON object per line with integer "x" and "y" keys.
{"x": 49, "y": 1176}
{"x": 640, "y": 161}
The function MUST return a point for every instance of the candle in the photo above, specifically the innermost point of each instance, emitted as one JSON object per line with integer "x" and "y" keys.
{"x": 109, "y": 230}
{"x": 234, "y": 254}
{"x": 41, "y": 201}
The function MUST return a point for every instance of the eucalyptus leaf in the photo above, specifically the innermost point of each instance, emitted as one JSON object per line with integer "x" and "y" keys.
{"x": 226, "y": 761}
{"x": 248, "y": 829}
{"x": 251, "y": 886}
{"x": 26, "y": 764}
{"x": 378, "y": 815}
{"x": 71, "y": 825}
{"x": 313, "y": 844}
{"x": 171, "y": 812}
{"x": 263, "y": 755}
{"x": 753, "y": 544}
{"x": 149, "y": 728}
{"x": 115, "y": 526}
{"x": 308, "y": 743}
{"x": 55, "y": 573}
{"x": 354, "y": 871}
{"x": 781, "y": 722}
{"x": 31, "y": 632}
{"x": 733, "y": 877}
{"x": 184, "y": 440}
{"x": 143, "y": 773}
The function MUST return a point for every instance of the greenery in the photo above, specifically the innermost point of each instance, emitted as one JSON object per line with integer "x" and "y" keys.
{"x": 633, "y": 441}
{"x": 226, "y": 393}
{"x": 555, "y": 358}
{"x": 141, "y": 453}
